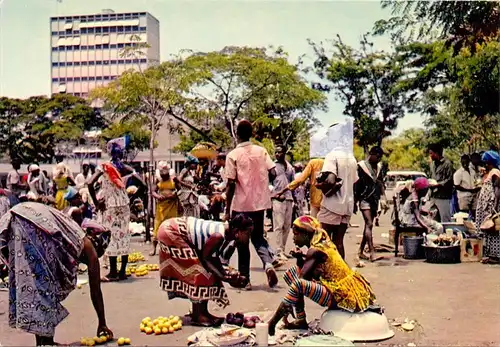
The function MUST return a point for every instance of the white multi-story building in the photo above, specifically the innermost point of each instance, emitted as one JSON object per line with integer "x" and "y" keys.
{"x": 86, "y": 49}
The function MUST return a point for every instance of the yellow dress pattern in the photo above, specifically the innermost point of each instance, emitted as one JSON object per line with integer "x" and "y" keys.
{"x": 351, "y": 291}
{"x": 165, "y": 209}
{"x": 61, "y": 186}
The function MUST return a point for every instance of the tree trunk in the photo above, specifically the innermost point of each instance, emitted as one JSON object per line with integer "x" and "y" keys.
{"x": 151, "y": 180}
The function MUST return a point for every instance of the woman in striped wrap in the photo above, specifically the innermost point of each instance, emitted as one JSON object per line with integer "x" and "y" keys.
{"x": 321, "y": 275}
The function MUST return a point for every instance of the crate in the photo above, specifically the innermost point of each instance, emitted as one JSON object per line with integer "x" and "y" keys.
{"x": 471, "y": 250}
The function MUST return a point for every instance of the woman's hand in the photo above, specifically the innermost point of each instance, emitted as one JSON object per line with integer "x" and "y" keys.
{"x": 297, "y": 253}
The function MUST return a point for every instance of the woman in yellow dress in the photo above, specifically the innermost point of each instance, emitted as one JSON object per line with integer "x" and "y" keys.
{"x": 167, "y": 201}
{"x": 321, "y": 275}
{"x": 62, "y": 180}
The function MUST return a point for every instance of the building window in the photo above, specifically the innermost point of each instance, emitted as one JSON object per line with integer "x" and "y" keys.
{"x": 142, "y": 29}
{"x": 62, "y": 88}
{"x": 106, "y": 62}
{"x": 121, "y": 61}
{"x": 91, "y": 78}
{"x": 54, "y": 49}
{"x": 120, "y": 29}
{"x": 112, "y": 29}
{"x": 83, "y": 30}
{"x": 76, "y": 63}
{"x": 113, "y": 46}
{"x": 85, "y": 78}
{"x": 84, "y": 63}
{"x": 90, "y": 30}
{"x": 55, "y": 64}
{"x": 105, "y": 29}
{"x": 128, "y": 29}
{"x": 121, "y": 45}
{"x": 144, "y": 61}
{"x": 91, "y": 47}
{"x": 55, "y": 80}
{"x": 106, "y": 46}
{"x": 76, "y": 32}
{"x": 107, "y": 78}
{"x": 69, "y": 48}
{"x": 99, "y": 62}
{"x": 77, "y": 79}
{"x": 69, "y": 79}
{"x": 98, "y": 78}
{"x": 91, "y": 63}
{"x": 98, "y": 30}
{"x": 69, "y": 63}
{"x": 135, "y": 28}
{"x": 83, "y": 48}
{"x": 98, "y": 46}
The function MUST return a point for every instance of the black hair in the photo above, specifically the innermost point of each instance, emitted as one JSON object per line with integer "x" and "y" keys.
{"x": 244, "y": 130}
{"x": 475, "y": 156}
{"x": 465, "y": 156}
{"x": 376, "y": 150}
{"x": 221, "y": 156}
{"x": 436, "y": 148}
{"x": 241, "y": 222}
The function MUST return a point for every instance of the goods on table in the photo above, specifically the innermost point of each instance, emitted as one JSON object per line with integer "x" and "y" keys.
{"x": 240, "y": 319}
{"x": 161, "y": 325}
{"x": 442, "y": 240}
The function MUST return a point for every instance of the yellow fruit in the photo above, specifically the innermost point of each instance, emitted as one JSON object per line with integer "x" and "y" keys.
{"x": 155, "y": 322}
{"x": 104, "y": 339}
{"x": 127, "y": 341}
{"x": 164, "y": 330}
{"x": 157, "y": 331}
{"x": 83, "y": 341}
{"x": 177, "y": 326}
{"x": 170, "y": 317}
{"x": 171, "y": 330}
{"x": 150, "y": 324}
{"x": 177, "y": 318}
{"x": 149, "y": 330}
{"x": 147, "y": 319}
{"x": 142, "y": 328}
{"x": 90, "y": 343}
{"x": 121, "y": 341}
{"x": 96, "y": 338}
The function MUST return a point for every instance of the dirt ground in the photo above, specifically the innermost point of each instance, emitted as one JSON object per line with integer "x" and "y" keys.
{"x": 454, "y": 305}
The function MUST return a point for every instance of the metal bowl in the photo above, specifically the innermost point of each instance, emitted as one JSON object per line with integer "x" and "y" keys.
{"x": 357, "y": 327}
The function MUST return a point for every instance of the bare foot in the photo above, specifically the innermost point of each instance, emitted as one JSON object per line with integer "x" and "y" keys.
{"x": 153, "y": 252}
{"x": 362, "y": 256}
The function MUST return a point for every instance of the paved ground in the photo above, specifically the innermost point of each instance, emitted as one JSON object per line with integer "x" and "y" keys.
{"x": 455, "y": 305}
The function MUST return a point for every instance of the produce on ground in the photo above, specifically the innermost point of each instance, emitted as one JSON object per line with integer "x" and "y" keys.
{"x": 122, "y": 341}
{"x": 134, "y": 257}
{"x": 161, "y": 325}
{"x": 96, "y": 340}
{"x": 240, "y": 319}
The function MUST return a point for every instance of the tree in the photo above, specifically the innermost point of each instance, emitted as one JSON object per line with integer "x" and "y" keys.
{"x": 32, "y": 129}
{"x": 458, "y": 23}
{"x": 366, "y": 81}
{"x": 251, "y": 83}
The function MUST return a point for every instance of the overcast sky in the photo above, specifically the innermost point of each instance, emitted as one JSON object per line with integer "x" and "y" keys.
{"x": 201, "y": 25}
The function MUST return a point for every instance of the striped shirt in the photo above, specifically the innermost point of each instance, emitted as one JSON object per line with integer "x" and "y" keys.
{"x": 200, "y": 230}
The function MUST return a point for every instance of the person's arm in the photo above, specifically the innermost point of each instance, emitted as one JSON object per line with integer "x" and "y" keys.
{"x": 447, "y": 175}
{"x": 418, "y": 216}
{"x": 71, "y": 181}
{"x": 301, "y": 179}
{"x": 496, "y": 185}
{"x": 231, "y": 186}
{"x": 213, "y": 264}
{"x": 90, "y": 258}
{"x": 457, "y": 181}
{"x": 313, "y": 258}
{"x": 90, "y": 183}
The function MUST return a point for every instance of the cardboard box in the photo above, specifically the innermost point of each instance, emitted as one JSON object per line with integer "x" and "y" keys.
{"x": 471, "y": 250}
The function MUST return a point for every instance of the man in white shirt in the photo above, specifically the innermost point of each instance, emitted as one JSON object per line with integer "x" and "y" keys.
{"x": 464, "y": 180}
{"x": 340, "y": 172}
{"x": 14, "y": 184}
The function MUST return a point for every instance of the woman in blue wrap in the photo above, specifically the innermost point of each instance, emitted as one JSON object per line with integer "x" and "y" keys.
{"x": 488, "y": 204}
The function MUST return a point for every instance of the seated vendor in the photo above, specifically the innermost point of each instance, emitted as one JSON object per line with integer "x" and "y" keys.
{"x": 321, "y": 275}
{"x": 77, "y": 209}
{"x": 413, "y": 214}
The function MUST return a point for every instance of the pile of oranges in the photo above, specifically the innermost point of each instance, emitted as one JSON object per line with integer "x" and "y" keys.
{"x": 161, "y": 325}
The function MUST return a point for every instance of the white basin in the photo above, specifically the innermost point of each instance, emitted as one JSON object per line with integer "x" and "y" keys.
{"x": 357, "y": 327}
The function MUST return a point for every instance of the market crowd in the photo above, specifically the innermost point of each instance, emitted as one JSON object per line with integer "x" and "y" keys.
{"x": 215, "y": 207}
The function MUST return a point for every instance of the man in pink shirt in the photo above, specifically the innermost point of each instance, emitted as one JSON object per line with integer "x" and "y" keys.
{"x": 248, "y": 171}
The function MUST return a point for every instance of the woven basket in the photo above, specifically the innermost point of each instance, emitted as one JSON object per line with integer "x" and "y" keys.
{"x": 442, "y": 254}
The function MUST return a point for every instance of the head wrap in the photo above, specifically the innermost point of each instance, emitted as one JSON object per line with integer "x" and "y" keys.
{"x": 492, "y": 158}
{"x": 60, "y": 170}
{"x": 70, "y": 193}
{"x": 34, "y": 167}
{"x": 131, "y": 190}
{"x": 113, "y": 175}
{"x": 191, "y": 160}
{"x": 312, "y": 226}
{"x": 421, "y": 183}
{"x": 163, "y": 166}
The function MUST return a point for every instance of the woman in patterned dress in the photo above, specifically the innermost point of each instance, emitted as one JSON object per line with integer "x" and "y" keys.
{"x": 488, "y": 204}
{"x": 321, "y": 275}
{"x": 190, "y": 266}
{"x": 42, "y": 248}
{"x": 113, "y": 204}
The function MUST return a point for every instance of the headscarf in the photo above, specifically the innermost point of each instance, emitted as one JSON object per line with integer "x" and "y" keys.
{"x": 421, "y": 183}
{"x": 113, "y": 175}
{"x": 312, "y": 226}
{"x": 60, "y": 170}
{"x": 163, "y": 166}
{"x": 70, "y": 193}
{"x": 492, "y": 158}
{"x": 191, "y": 160}
{"x": 34, "y": 167}
{"x": 131, "y": 190}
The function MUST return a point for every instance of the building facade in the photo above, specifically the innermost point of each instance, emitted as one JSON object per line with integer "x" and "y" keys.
{"x": 87, "y": 49}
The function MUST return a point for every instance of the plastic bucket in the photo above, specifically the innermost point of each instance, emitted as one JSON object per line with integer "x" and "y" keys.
{"x": 413, "y": 247}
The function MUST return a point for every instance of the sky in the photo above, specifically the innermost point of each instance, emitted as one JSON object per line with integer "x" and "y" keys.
{"x": 200, "y": 25}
